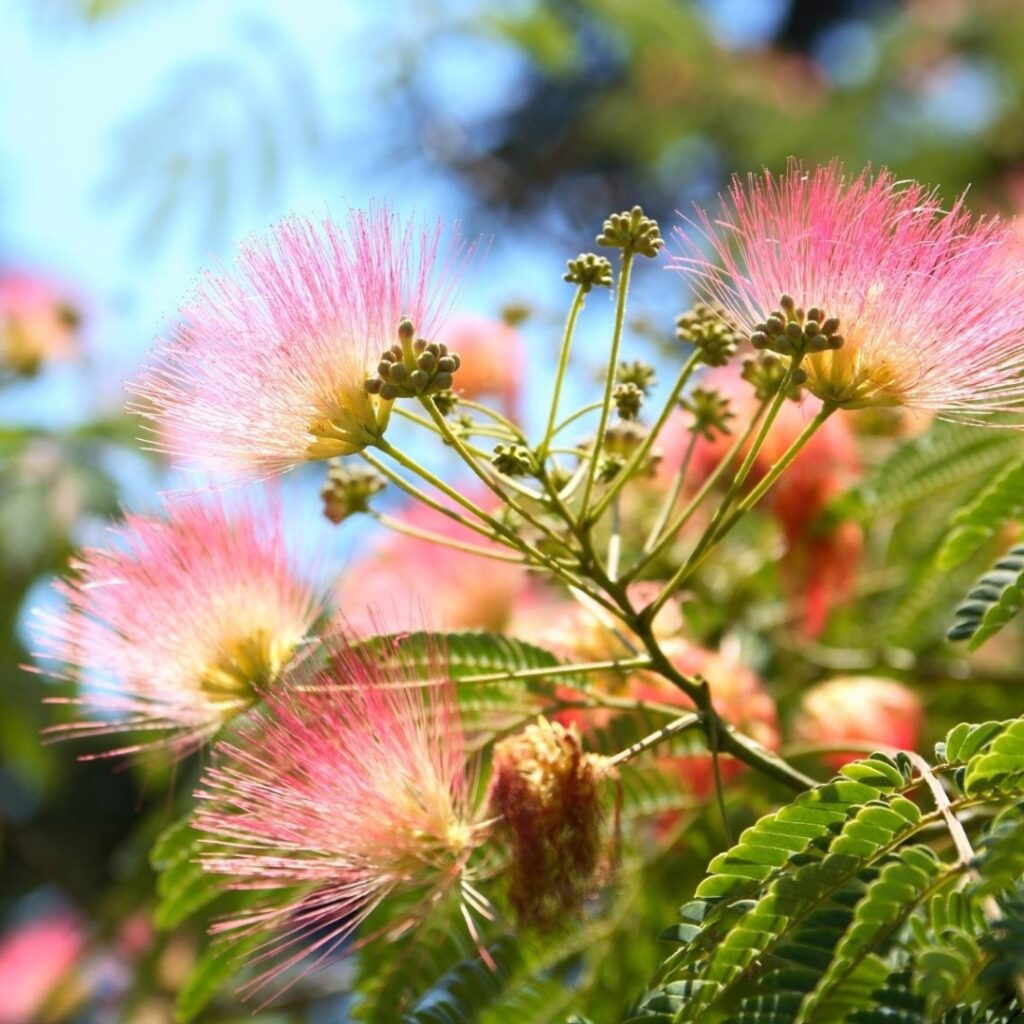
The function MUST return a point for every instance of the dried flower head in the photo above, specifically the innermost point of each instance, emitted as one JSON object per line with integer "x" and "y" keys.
{"x": 548, "y": 794}
{"x": 268, "y": 365}
{"x": 885, "y": 297}
{"x": 178, "y": 626}
{"x": 349, "y": 785}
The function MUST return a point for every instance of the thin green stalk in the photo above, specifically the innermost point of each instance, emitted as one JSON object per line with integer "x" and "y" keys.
{"x": 673, "y": 495}
{"x": 418, "y": 494}
{"x": 578, "y": 414}
{"x": 504, "y": 421}
{"x": 609, "y": 384}
{"x": 511, "y": 539}
{"x": 485, "y": 477}
{"x": 637, "y": 458}
{"x": 698, "y": 499}
{"x": 715, "y": 533}
{"x": 449, "y": 542}
{"x": 563, "y": 362}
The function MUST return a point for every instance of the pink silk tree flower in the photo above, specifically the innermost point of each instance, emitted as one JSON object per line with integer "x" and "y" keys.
{"x": 181, "y": 623}
{"x": 893, "y": 299}
{"x": 268, "y": 365}
{"x": 868, "y": 712}
{"x": 351, "y": 784}
{"x": 39, "y": 323}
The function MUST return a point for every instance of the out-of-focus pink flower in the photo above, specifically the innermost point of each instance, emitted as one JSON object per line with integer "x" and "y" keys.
{"x": 492, "y": 359}
{"x": 353, "y": 785}
{"x": 930, "y": 302}
{"x": 860, "y": 710}
{"x": 34, "y": 958}
{"x": 268, "y": 365}
{"x": 178, "y": 626}
{"x": 737, "y": 693}
{"x": 38, "y": 323}
{"x": 406, "y": 577}
{"x": 821, "y": 557}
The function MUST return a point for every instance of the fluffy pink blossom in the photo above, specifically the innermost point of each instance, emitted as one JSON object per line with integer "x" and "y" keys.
{"x": 38, "y": 322}
{"x": 34, "y": 958}
{"x": 862, "y": 710}
{"x": 267, "y": 366}
{"x": 350, "y": 784}
{"x": 175, "y": 627}
{"x": 930, "y": 301}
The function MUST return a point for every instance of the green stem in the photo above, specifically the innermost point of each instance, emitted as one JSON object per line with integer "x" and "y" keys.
{"x": 563, "y": 362}
{"x": 578, "y": 414}
{"x": 714, "y": 534}
{"x": 637, "y": 458}
{"x": 417, "y": 494}
{"x": 510, "y": 537}
{"x": 673, "y": 495}
{"x": 698, "y": 499}
{"x": 504, "y": 421}
{"x": 485, "y": 478}
{"x": 437, "y": 538}
{"x": 609, "y": 383}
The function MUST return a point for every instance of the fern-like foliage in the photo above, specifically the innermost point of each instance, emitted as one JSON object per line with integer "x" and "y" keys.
{"x": 932, "y": 464}
{"x": 994, "y": 600}
{"x": 1000, "y": 503}
{"x": 852, "y": 905}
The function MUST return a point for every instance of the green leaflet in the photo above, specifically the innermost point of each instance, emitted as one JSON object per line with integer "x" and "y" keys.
{"x": 850, "y": 917}
{"x": 995, "y": 599}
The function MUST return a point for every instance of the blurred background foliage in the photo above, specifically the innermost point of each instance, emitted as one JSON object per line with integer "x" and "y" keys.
{"x": 142, "y": 138}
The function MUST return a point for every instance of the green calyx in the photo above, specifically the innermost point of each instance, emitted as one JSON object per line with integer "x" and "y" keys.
{"x": 710, "y": 410}
{"x": 589, "y": 271}
{"x": 348, "y": 490}
{"x": 413, "y": 369}
{"x": 708, "y": 329}
{"x": 513, "y": 460}
{"x": 632, "y": 232}
{"x": 766, "y": 373}
{"x": 791, "y": 331}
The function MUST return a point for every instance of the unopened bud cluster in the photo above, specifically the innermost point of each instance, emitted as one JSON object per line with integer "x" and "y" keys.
{"x": 628, "y": 399}
{"x": 589, "y": 271}
{"x": 707, "y": 328}
{"x": 790, "y": 330}
{"x": 546, "y": 793}
{"x": 766, "y": 373}
{"x": 413, "y": 368}
{"x": 632, "y": 232}
{"x": 639, "y": 373}
{"x": 348, "y": 490}
{"x": 710, "y": 410}
{"x": 513, "y": 460}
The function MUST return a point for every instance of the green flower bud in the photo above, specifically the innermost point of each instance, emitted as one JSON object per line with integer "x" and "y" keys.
{"x": 513, "y": 460}
{"x": 710, "y": 411}
{"x": 631, "y": 231}
{"x": 709, "y": 330}
{"x": 628, "y": 400}
{"x": 639, "y": 373}
{"x": 589, "y": 271}
{"x": 348, "y": 489}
